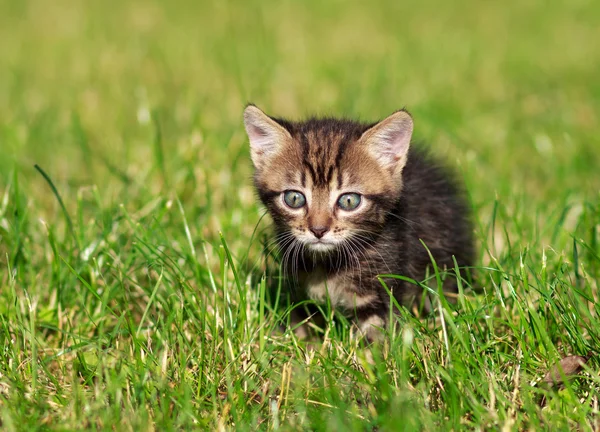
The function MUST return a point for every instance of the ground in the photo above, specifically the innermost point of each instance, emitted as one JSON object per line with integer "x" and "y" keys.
{"x": 140, "y": 299}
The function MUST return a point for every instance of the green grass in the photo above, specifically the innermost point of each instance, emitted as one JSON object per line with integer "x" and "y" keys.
{"x": 145, "y": 305}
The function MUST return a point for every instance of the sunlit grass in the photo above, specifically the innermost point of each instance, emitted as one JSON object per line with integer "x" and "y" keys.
{"x": 148, "y": 303}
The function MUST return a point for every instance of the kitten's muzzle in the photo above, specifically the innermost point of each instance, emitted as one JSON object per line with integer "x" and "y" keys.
{"x": 319, "y": 231}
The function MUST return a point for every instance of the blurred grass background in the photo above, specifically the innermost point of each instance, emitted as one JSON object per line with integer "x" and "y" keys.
{"x": 139, "y": 103}
{"x": 509, "y": 89}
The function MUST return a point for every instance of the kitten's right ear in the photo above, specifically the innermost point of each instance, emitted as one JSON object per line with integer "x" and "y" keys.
{"x": 388, "y": 141}
{"x": 265, "y": 134}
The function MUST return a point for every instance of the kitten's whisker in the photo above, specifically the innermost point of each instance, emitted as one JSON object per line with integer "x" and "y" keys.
{"x": 282, "y": 244}
{"x": 278, "y": 239}
{"x": 267, "y": 250}
{"x": 271, "y": 249}
{"x": 360, "y": 238}
{"x": 408, "y": 222}
{"x": 351, "y": 250}
{"x": 358, "y": 249}
{"x": 297, "y": 247}
{"x": 289, "y": 247}
{"x": 348, "y": 246}
{"x": 361, "y": 245}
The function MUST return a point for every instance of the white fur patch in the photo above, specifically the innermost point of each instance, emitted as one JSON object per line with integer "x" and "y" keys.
{"x": 371, "y": 327}
{"x": 319, "y": 287}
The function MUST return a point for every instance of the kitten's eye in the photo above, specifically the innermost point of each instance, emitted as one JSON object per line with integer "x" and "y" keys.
{"x": 349, "y": 201}
{"x": 294, "y": 199}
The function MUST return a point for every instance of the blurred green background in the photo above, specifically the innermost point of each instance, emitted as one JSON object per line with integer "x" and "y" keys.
{"x": 509, "y": 90}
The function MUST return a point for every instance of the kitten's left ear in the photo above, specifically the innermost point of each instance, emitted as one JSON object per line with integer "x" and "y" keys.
{"x": 388, "y": 141}
{"x": 267, "y": 137}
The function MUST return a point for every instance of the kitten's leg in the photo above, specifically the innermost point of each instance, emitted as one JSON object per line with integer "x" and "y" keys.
{"x": 301, "y": 319}
{"x": 298, "y": 322}
{"x": 371, "y": 320}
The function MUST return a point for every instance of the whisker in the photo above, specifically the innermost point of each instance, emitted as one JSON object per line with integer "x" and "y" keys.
{"x": 409, "y": 222}
{"x": 348, "y": 246}
{"x": 359, "y": 237}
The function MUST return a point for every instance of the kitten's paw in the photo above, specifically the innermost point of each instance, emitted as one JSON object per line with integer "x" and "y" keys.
{"x": 371, "y": 328}
{"x": 301, "y": 331}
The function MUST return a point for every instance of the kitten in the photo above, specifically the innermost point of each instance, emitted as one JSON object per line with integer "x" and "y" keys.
{"x": 352, "y": 201}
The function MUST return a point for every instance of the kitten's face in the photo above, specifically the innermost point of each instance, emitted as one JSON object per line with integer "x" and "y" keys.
{"x": 326, "y": 182}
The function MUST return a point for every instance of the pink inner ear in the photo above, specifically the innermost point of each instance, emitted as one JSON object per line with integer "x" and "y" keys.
{"x": 388, "y": 141}
{"x": 393, "y": 142}
{"x": 257, "y": 132}
{"x": 260, "y": 139}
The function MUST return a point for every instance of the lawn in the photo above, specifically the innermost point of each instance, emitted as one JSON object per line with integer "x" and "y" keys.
{"x": 136, "y": 283}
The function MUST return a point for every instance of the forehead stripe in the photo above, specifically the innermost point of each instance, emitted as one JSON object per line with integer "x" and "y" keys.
{"x": 310, "y": 169}
{"x": 338, "y": 161}
{"x": 329, "y": 174}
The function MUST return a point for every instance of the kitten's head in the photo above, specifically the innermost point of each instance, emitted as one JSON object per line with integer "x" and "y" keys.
{"x": 327, "y": 181}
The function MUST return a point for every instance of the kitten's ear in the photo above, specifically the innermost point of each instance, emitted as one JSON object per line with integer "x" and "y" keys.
{"x": 388, "y": 141}
{"x": 265, "y": 134}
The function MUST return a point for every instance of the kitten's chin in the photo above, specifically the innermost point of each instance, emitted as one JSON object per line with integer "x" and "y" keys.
{"x": 321, "y": 247}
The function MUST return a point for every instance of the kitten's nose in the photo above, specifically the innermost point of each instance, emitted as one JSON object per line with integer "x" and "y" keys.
{"x": 319, "y": 231}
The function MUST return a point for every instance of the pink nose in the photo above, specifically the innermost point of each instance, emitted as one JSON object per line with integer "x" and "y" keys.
{"x": 319, "y": 231}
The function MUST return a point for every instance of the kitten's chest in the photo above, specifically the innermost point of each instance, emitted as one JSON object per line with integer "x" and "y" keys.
{"x": 338, "y": 288}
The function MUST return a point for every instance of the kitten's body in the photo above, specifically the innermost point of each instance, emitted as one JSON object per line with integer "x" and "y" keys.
{"x": 333, "y": 252}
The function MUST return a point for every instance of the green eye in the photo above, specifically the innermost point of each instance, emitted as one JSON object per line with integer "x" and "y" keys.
{"x": 294, "y": 199}
{"x": 349, "y": 201}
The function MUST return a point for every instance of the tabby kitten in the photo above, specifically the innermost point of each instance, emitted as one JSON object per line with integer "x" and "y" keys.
{"x": 352, "y": 201}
